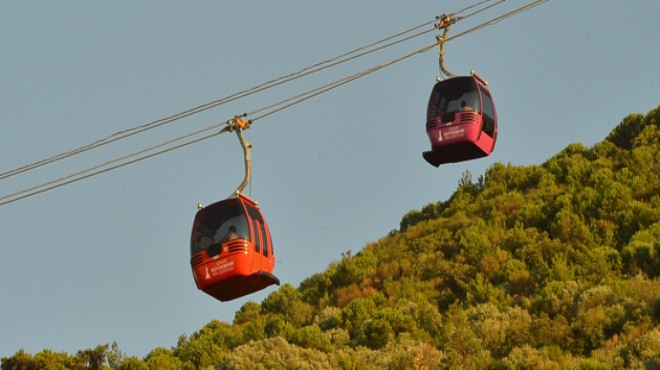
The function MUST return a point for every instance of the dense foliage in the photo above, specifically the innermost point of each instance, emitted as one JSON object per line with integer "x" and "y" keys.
{"x": 549, "y": 266}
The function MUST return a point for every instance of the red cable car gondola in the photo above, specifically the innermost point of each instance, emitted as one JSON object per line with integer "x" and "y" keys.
{"x": 230, "y": 245}
{"x": 231, "y": 249}
{"x": 461, "y": 120}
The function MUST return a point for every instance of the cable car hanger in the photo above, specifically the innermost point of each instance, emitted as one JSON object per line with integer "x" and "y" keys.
{"x": 444, "y": 23}
{"x": 238, "y": 124}
{"x": 461, "y": 121}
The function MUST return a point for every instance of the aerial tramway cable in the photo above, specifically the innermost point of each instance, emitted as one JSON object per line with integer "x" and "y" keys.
{"x": 83, "y": 174}
{"x": 320, "y": 66}
{"x": 274, "y": 108}
{"x": 343, "y": 58}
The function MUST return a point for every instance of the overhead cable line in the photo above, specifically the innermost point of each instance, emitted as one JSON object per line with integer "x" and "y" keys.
{"x": 480, "y": 10}
{"x": 286, "y": 103}
{"x": 77, "y": 176}
{"x": 472, "y": 6}
{"x": 71, "y": 179}
{"x": 126, "y": 133}
{"x": 343, "y": 58}
{"x": 274, "y": 108}
{"x": 311, "y": 93}
{"x": 498, "y": 19}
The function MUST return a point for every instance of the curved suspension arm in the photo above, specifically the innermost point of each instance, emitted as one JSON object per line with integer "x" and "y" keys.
{"x": 248, "y": 162}
{"x": 239, "y": 124}
{"x": 446, "y": 20}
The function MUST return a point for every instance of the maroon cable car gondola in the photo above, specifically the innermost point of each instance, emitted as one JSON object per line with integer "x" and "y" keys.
{"x": 461, "y": 120}
{"x": 230, "y": 245}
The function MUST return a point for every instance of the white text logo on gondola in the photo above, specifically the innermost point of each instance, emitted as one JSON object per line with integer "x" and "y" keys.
{"x": 220, "y": 268}
{"x": 451, "y": 133}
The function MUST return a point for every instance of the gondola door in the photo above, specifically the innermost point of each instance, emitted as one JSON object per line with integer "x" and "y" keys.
{"x": 263, "y": 250}
{"x": 257, "y": 235}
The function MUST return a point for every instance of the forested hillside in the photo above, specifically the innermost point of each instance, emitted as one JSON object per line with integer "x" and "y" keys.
{"x": 552, "y": 266}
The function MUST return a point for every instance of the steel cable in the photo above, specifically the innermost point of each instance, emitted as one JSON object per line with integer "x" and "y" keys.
{"x": 274, "y": 108}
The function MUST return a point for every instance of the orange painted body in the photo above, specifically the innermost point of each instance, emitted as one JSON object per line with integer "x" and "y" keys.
{"x": 231, "y": 249}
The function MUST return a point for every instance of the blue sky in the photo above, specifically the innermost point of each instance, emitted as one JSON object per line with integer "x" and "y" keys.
{"x": 107, "y": 259}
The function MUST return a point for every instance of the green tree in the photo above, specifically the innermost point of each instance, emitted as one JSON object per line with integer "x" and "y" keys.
{"x": 356, "y": 314}
{"x": 311, "y": 337}
{"x": 161, "y": 358}
{"x": 544, "y": 266}
{"x": 274, "y": 353}
{"x": 134, "y": 363}
{"x": 624, "y": 134}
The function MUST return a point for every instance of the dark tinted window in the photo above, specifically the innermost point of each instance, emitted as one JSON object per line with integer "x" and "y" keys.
{"x": 258, "y": 235}
{"x": 489, "y": 112}
{"x": 453, "y": 95}
{"x": 217, "y": 223}
{"x": 268, "y": 248}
